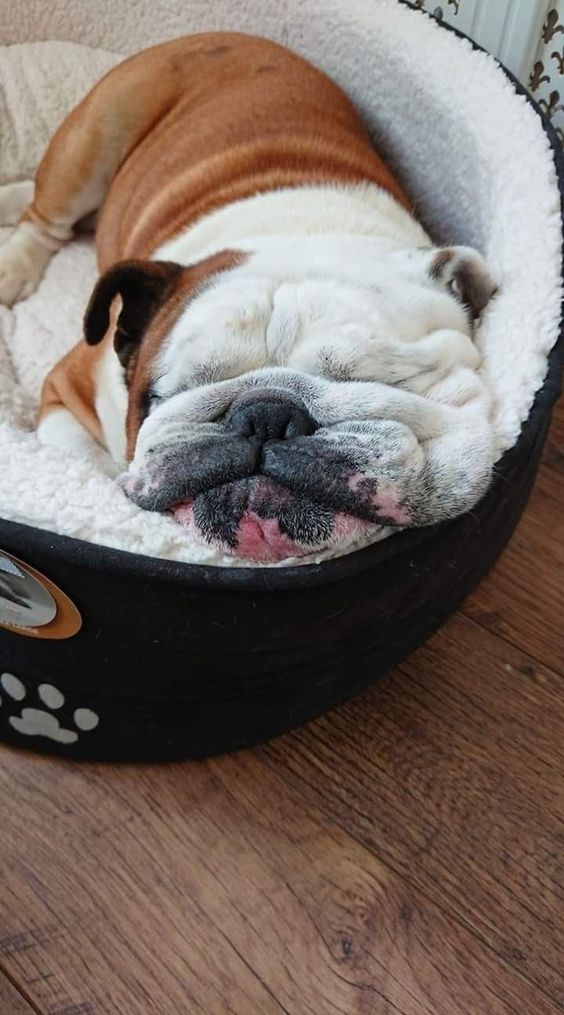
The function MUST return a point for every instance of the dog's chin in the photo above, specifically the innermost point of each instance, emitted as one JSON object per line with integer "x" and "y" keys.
{"x": 261, "y": 521}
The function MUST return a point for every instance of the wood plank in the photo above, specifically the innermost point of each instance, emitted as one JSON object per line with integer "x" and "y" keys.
{"x": 553, "y": 452}
{"x": 215, "y": 887}
{"x": 11, "y": 1001}
{"x": 522, "y": 599}
{"x": 451, "y": 772}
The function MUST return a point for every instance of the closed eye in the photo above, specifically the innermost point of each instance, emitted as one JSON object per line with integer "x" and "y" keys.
{"x": 153, "y": 399}
{"x": 149, "y": 400}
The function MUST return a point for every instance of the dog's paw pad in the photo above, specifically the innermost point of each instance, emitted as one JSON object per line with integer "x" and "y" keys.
{"x": 39, "y": 722}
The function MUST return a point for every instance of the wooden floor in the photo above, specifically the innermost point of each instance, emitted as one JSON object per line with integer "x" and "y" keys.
{"x": 402, "y": 855}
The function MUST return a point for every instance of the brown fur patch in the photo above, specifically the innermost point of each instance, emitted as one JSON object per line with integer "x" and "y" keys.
{"x": 229, "y": 132}
{"x": 72, "y": 382}
{"x": 70, "y": 385}
{"x": 188, "y": 283}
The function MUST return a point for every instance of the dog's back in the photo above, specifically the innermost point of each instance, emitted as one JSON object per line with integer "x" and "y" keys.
{"x": 243, "y": 116}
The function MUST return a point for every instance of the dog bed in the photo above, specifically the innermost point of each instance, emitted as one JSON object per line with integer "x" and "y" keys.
{"x": 129, "y": 655}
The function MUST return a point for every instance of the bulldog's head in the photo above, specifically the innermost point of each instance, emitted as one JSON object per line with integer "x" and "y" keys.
{"x": 281, "y": 406}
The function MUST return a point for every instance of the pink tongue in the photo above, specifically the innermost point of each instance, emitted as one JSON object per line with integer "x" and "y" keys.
{"x": 183, "y": 514}
{"x": 261, "y": 539}
{"x": 258, "y": 539}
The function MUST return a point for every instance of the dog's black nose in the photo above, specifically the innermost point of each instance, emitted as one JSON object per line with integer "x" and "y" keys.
{"x": 269, "y": 417}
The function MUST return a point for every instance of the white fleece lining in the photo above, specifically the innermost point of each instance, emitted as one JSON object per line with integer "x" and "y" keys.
{"x": 472, "y": 154}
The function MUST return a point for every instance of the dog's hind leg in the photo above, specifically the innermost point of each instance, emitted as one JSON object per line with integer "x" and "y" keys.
{"x": 78, "y": 167}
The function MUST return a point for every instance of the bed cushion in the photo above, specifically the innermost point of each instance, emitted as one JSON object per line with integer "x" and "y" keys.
{"x": 152, "y": 659}
{"x": 481, "y": 172}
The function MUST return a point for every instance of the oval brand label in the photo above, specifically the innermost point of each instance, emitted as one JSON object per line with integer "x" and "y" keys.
{"x": 32, "y": 605}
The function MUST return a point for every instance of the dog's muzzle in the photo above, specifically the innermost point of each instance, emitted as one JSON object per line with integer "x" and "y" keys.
{"x": 262, "y": 483}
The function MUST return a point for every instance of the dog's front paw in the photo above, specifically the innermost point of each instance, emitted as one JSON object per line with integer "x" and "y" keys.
{"x": 22, "y": 263}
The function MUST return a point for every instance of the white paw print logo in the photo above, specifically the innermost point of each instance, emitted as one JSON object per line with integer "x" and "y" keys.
{"x": 36, "y": 722}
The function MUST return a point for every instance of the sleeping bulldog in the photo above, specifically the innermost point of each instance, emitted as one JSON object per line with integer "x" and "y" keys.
{"x": 274, "y": 349}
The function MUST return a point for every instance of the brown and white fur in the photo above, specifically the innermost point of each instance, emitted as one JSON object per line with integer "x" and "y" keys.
{"x": 274, "y": 347}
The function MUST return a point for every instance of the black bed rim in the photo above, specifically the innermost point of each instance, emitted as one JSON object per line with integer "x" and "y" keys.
{"x": 135, "y": 566}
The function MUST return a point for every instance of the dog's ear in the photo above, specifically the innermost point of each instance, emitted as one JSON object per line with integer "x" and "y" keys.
{"x": 465, "y": 272}
{"x": 142, "y": 287}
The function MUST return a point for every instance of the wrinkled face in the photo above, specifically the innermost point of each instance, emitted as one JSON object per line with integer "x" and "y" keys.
{"x": 277, "y": 408}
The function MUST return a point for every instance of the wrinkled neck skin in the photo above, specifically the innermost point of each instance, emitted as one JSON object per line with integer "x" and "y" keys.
{"x": 336, "y": 304}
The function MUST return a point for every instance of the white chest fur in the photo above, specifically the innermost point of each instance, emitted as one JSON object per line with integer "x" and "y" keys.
{"x": 359, "y": 210}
